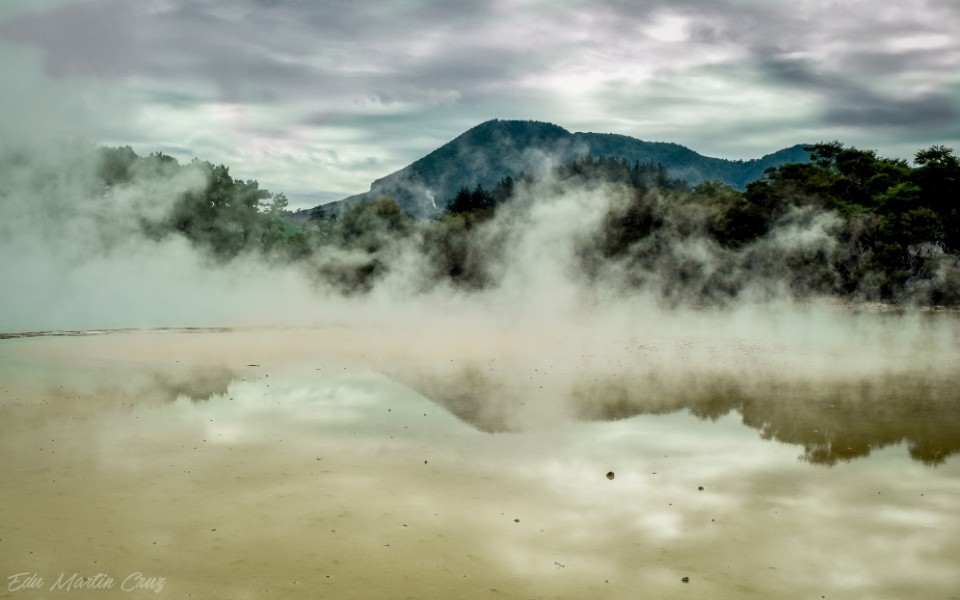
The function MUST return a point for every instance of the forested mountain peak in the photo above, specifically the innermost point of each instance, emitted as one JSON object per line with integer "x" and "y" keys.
{"x": 495, "y": 149}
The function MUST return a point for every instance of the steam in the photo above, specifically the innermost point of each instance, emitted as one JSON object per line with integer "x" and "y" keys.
{"x": 554, "y": 312}
{"x": 74, "y": 254}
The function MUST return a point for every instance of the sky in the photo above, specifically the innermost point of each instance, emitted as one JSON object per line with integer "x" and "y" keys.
{"x": 317, "y": 99}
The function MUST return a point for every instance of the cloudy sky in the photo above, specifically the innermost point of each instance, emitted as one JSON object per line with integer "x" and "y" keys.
{"x": 318, "y": 98}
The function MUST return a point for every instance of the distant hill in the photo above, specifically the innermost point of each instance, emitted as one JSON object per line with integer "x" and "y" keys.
{"x": 492, "y": 150}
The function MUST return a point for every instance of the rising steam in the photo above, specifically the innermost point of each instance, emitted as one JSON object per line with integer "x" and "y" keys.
{"x": 555, "y": 313}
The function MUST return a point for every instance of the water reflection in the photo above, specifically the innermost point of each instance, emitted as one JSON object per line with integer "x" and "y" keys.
{"x": 833, "y": 420}
{"x": 48, "y": 393}
{"x": 384, "y": 477}
{"x": 197, "y": 384}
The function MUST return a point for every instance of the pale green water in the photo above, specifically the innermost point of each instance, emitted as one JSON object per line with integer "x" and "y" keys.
{"x": 352, "y": 465}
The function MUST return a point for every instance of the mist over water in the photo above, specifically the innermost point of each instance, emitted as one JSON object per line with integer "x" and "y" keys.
{"x": 552, "y": 334}
{"x": 422, "y": 433}
{"x": 609, "y": 338}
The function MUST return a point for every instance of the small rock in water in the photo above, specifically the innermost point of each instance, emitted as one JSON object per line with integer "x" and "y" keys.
{"x": 685, "y": 580}
{"x": 610, "y": 475}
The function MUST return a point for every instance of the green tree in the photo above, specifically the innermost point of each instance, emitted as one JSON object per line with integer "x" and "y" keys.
{"x": 320, "y": 213}
{"x": 370, "y": 225}
{"x": 477, "y": 201}
{"x": 116, "y": 165}
{"x": 938, "y": 179}
{"x": 278, "y": 204}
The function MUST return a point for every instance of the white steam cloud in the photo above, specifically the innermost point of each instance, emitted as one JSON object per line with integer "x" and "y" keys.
{"x": 74, "y": 254}
{"x": 551, "y": 331}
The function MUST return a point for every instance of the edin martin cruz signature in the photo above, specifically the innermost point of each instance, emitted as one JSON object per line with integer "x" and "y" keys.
{"x": 66, "y": 582}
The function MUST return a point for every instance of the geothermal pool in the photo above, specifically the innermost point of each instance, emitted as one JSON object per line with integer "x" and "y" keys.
{"x": 382, "y": 462}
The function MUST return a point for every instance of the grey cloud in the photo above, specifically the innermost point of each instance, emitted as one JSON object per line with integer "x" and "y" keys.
{"x": 808, "y": 76}
{"x": 257, "y": 52}
{"x": 795, "y": 71}
{"x": 850, "y": 102}
{"x": 853, "y": 50}
{"x": 174, "y": 98}
{"x": 881, "y": 63}
{"x": 400, "y": 78}
{"x": 294, "y": 50}
{"x": 926, "y": 111}
{"x": 95, "y": 38}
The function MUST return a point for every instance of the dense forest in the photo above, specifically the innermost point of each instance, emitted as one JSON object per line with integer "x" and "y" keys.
{"x": 847, "y": 224}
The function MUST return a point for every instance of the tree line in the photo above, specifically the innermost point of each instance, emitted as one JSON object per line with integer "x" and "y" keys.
{"x": 225, "y": 216}
{"x": 848, "y": 223}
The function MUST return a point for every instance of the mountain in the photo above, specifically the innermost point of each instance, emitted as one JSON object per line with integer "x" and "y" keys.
{"x": 494, "y": 149}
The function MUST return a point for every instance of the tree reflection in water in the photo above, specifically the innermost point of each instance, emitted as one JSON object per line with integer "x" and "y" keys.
{"x": 834, "y": 420}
